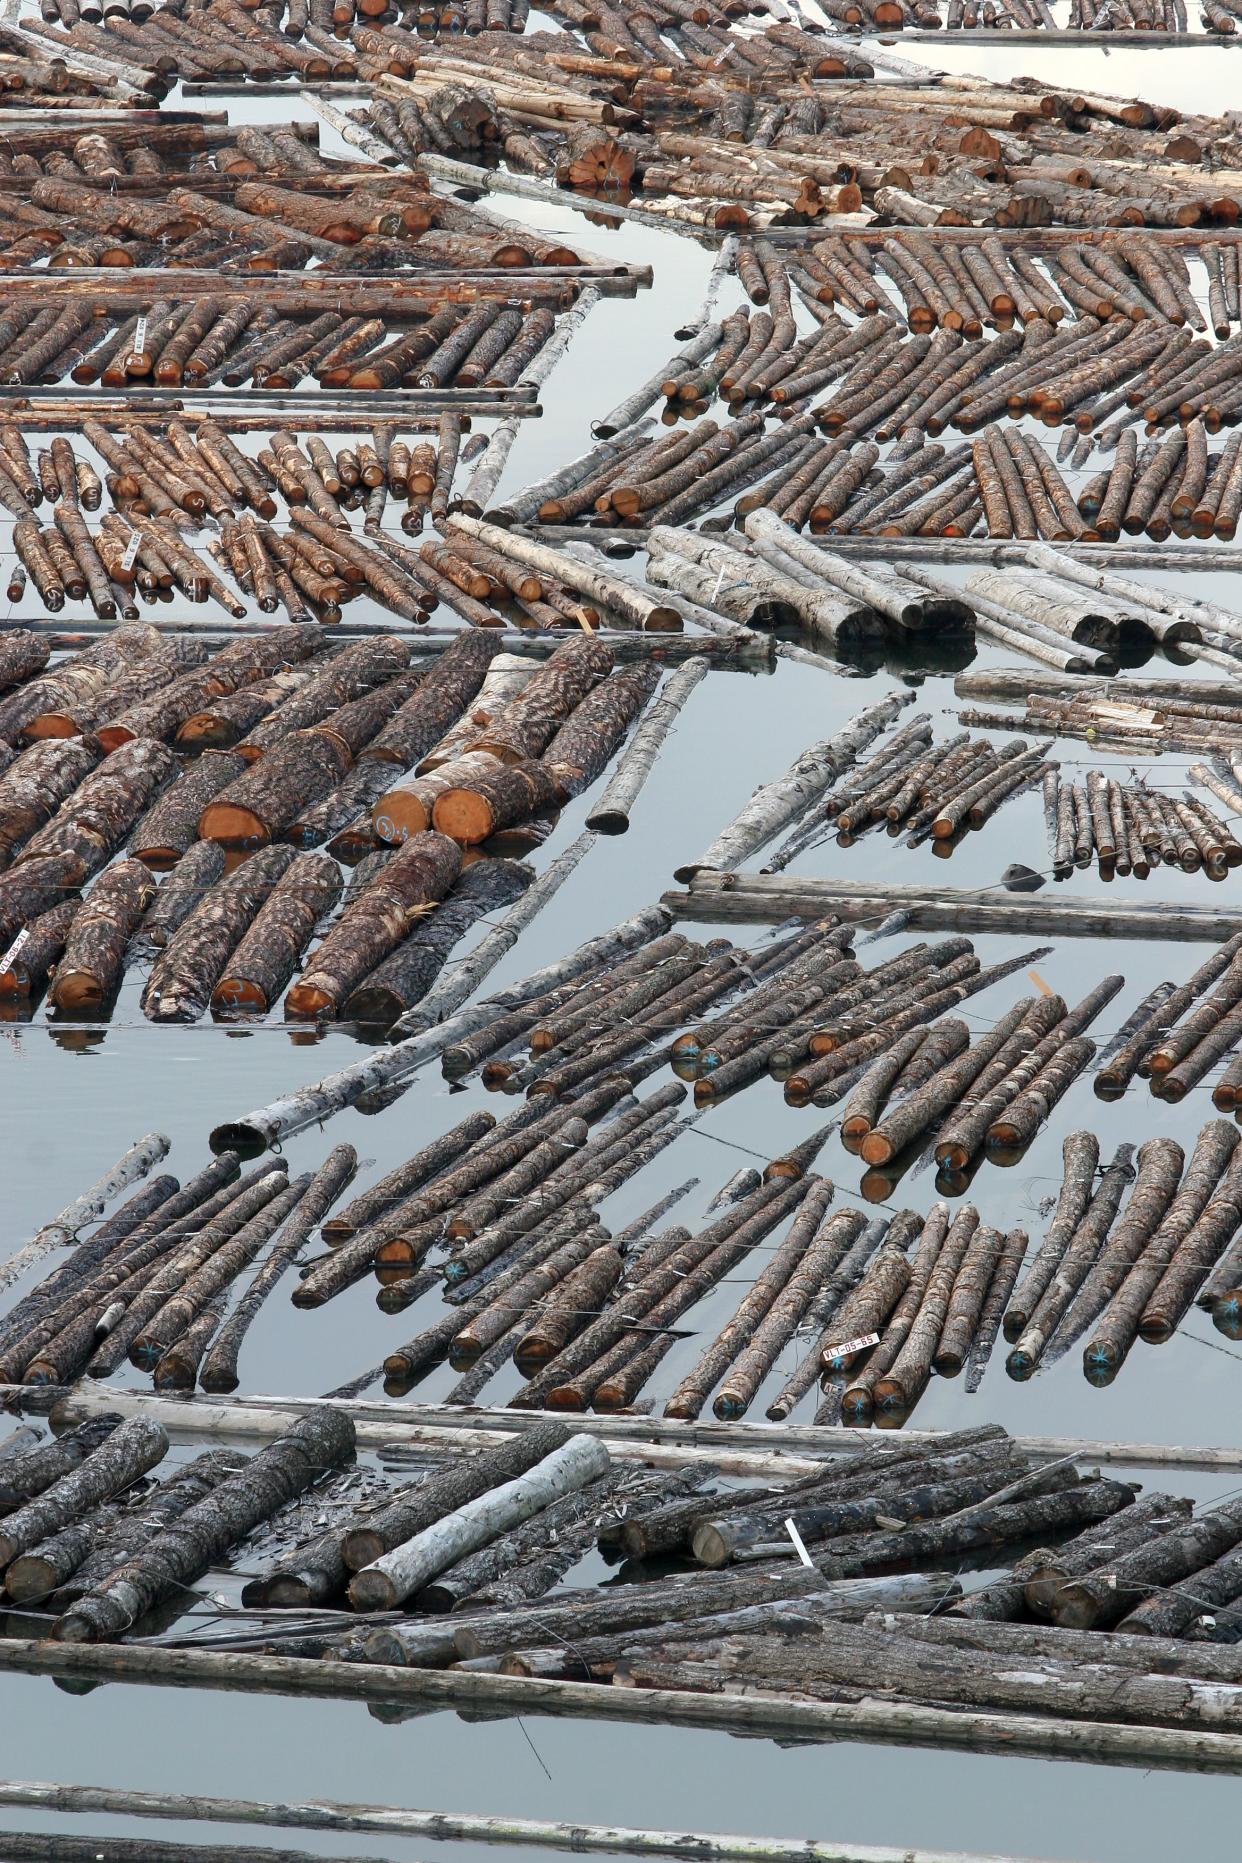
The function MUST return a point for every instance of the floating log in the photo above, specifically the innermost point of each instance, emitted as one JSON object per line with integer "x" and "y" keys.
{"x": 183, "y": 1551}
{"x": 185, "y": 974}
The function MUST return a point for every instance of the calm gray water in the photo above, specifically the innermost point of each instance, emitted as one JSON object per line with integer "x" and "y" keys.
{"x": 73, "y": 1101}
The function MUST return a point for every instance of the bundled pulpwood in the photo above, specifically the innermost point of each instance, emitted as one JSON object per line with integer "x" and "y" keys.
{"x": 1131, "y": 828}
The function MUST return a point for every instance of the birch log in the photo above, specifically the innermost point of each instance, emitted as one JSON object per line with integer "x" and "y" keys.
{"x": 408, "y": 1567}
{"x": 63, "y": 1229}
{"x": 775, "y": 805}
{"x": 611, "y": 814}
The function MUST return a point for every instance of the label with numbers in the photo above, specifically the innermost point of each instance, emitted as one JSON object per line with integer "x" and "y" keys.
{"x": 850, "y": 1345}
{"x": 16, "y": 948}
{"x": 131, "y": 551}
{"x": 140, "y": 336}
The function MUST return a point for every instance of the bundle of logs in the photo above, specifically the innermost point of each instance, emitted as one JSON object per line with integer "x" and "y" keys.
{"x": 1111, "y": 1275}
{"x": 1115, "y": 719}
{"x": 161, "y": 486}
{"x": 1122, "y": 1616}
{"x": 195, "y": 343}
{"x": 290, "y": 747}
{"x": 135, "y": 157}
{"x": 1181, "y": 1035}
{"x": 930, "y": 791}
{"x": 1129, "y": 828}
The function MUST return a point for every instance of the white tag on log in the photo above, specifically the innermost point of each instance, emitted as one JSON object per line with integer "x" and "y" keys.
{"x": 16, "y": 948}
{"x": 140, "y": 335}
{"x": 799, "y": 1548}
{"x": 850, "y": 1345}
{"x": 131, "y": 551}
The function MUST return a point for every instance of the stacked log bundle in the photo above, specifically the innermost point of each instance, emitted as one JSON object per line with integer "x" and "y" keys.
{"x": 926, "y": 791}
{"x": 1125, "y": 829}
{"x": 443, "y": 342}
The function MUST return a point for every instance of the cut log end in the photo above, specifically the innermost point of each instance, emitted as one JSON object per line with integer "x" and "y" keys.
{"x": 232, "y": 826}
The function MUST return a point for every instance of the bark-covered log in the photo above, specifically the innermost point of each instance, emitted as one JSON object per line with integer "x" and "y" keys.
{"x": 1195, "y": 1602}
{"x": 900, "y": 1389}
{"x": 1190, "y": 1223}
{"x": 1082, "y": 1250}
{"x": 356, "y": 670}
{"x": 316, "y": 1443}
{"x": 267, "y": 956}
{"x": 22, "y": 655}
{"x": 28, "y": 965}
{"x": 170, "y": 1266}
{"x": 1005, "y": 1524}
{"x": 219, "y": 1372}
{"x": 169, "y": 829}
{"x": 94, "y": 957}
{"x": 337, "y": 817}
{"x": 406, "y": 975}
{"x": 185, "y": 974}
{"x": 301, "y": 769}
{"x": 400, "y": 1183}
{"x": 398, "y": 1574}
{"x": 61, "y": 1568}
{"x": 499, "y": 798}
{"x": 179, "y": 1311}
{"x": 1080, "y": 1157}
{"x": 35, "y": 785}
{"x": 34, "y": 888}
{"x": 583, "y": 747}
{"x": 94, "y": 821}
{"x": 1104, "y": 1596}
{"x": 903, "y": 1121}
{"x": 578, "y": 1299}
{"x": 127, "y": 1453}
{"x": 1160, "y": 1163}
{"x": 197, "y": 871}
{"x": 448, "y": 1490}
{"x": 443, "y": 695}
{"x": 420, "y": 873}
{"x": 25, "y": 1476}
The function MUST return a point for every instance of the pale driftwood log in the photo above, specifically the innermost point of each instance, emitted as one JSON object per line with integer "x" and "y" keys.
{"x": 914, "y": 1724}
{"x": 63, "y": 1229}
{"x": 775, "y": 805}
{"x": 825, "y": 612}
{"x": 404, "y": 1570}
{"x": 471, "y": 1827}
{"x": 611, "y": 814}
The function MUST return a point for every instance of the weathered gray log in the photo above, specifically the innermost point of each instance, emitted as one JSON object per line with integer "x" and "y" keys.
{"x": 62, "y": 1567}
{"x": 26, "y": 1475}
{"x": 1008, "y": 1598}
{"x": 1105, "y": 1595}
{"x": 1080, "y": 1156}
{"x": 313, "y": 1444}
{"x": 126, "y": 1453}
